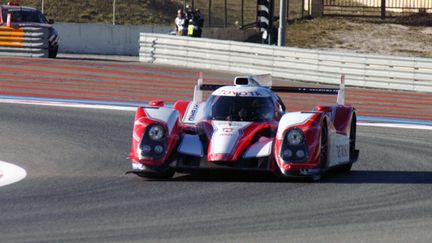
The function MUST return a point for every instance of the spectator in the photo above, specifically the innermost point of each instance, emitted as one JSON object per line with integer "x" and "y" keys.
{"x": 196, "y": 23}
{"x": 181, "y": 23}
{"x": 199, "y": 22}
{"x": 192, "y": 27}
{"x": 189, "y": 12}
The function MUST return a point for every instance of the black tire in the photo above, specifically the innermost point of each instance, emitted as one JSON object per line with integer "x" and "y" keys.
{"x": 347, "y": 167}
{"x": 168, "y": 174}
{"x": 52, "y": 51}
{"x": 353, "y": 133}
{"x": 324, "y": 147}
{"x": 323, "y": 152}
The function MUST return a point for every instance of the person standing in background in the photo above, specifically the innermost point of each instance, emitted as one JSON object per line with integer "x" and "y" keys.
{"x": 199, "y": 21}
{"x": 192, "y": 27}
{"x": 181, "y": 23}
{"x": 189, "y": 12}
{"x": 196, "y": 23}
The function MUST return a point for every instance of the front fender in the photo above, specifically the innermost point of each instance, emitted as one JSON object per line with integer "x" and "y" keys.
{"x": 310, "y": 125}
{"x": 169, "y": 119}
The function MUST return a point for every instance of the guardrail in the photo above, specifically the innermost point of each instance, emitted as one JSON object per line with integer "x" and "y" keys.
{"x": 24, "y": 41}
{"x": 375, "y": 71}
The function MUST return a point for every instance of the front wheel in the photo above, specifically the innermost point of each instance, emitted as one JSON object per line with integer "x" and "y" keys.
{"x": 52, "y": 51}
{"x": 323, "y": 153}
{"x": 324, "y": 147}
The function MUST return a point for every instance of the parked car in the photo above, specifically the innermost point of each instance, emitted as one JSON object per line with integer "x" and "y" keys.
{"x": 22, "y": 16}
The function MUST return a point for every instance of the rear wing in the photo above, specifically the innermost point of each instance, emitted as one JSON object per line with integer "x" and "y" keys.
{"x": 340, "y": 92}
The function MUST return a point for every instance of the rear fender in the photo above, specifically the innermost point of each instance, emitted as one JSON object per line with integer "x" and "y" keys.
{"x": 181, "y": 106}
{"x": 342, "y": 120}
{"x": 339, "y": 115}
{"x": 193, "y": 112}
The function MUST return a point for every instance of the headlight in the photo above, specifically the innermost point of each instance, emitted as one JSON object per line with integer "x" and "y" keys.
{"x": 146, "y": 149}
{"x": 300, "y": 154}
{"x": 158, "y": 149}
{"x": 287, "y": 154}
{"x": 295, "y": 137}
{"x": 156, "y": 132}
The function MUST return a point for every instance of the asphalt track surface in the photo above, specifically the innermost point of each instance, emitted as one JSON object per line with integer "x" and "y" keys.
{"x": 76, "y": 190}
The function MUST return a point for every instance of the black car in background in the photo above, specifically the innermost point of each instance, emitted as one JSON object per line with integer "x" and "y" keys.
{"x": 27, "y": 16}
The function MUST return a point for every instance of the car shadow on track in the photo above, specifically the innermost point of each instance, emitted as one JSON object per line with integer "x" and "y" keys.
{"x": 353, "y": 177}
{"x": 233, "y": 176}
{"x": 379, "y": 177}
{"x": 218, "y": 176}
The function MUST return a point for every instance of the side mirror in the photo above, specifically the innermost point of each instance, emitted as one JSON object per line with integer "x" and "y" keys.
{"x": 50, "y": 21}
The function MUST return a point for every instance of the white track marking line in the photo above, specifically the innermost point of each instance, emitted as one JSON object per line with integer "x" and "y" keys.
{"x": 395, "y": 125}
{"x": 10, "y": 173}
{"x": 68, "y": 105}
{"x": 130, "y": 108}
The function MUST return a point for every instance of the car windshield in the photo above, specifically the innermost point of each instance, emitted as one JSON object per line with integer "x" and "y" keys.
{"x": 24, "y": 16}
{"x": 237, "y": 108}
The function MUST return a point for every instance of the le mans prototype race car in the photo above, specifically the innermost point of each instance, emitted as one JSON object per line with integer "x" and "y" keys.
{"x": 244, "y": 127}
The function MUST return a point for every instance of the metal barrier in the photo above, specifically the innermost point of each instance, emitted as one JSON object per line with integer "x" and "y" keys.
{"x": 24, "y": 41}
{"x": 375, "y": 71}
{"x": 376, "y": 8}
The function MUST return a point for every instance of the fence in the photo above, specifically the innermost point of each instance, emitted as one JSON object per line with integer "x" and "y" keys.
{"x": 24, "y": 41}
{"x": 376, "y": 8}
{"x": 243, "y": 13}
{"x": 362, "y": 70}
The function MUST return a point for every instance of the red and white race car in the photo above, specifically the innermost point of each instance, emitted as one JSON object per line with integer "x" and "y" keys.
{"x": 244, "y": 127}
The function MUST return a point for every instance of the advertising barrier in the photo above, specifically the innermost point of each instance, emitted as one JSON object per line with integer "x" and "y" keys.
{"x": 24, "y": 41}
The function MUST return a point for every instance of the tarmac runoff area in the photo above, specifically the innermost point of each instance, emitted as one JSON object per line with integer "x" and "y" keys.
{"x": 79, "y": 192}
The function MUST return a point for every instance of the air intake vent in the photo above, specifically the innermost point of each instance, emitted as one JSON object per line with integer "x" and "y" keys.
{"x": 241, "y": 81}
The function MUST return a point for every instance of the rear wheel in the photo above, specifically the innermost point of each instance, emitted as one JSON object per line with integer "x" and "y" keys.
{"x": 324, "y": 147}
{"x": 353, "y": 132}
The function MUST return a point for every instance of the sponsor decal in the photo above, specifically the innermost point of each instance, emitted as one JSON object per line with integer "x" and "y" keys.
{"x": 138, "y": 166}
{"x": 228, "y": 130}
{"x": 342, "y": 151}
{"x": 193, "y": 112}
{"x": 226, "y": 136}
{"x": 309, "y": 171}
{"x": 240, "y": 93}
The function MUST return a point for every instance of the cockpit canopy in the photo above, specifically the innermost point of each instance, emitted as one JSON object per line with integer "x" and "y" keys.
{"x": 240, "y": 108}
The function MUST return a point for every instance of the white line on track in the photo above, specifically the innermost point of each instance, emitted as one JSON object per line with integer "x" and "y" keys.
{"x": 395, "y": 125}
{"x": 10, "y": 173}
{"x": 68, "y": 105}
{"x": 130, "y": 108}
